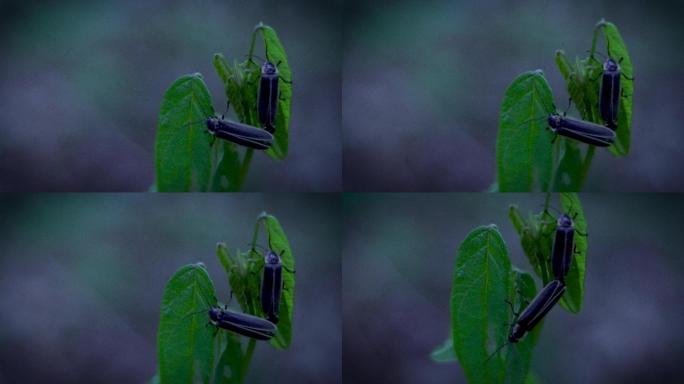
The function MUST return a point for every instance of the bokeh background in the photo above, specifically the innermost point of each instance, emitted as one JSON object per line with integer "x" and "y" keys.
{"x": 82, "y": 278}
{"x": 81, "y": 83}
{"x": 424, "y": 80}
{"x": 399, "y": 255}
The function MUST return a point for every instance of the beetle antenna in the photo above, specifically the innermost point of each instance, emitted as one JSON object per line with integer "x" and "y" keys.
{"x": 497, "y": 351}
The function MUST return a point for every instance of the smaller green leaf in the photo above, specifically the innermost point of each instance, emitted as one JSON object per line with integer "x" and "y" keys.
{"x": 184, "y": 343}
{"x": 230, "y": 369}
{"x": 223, "y": 70}
{"x": 618, "y": 51}
{"x": 523, "y": 146}
{"x": 278, "y": 242}
{"x": 275, "y": 53}
{"x": 243, "y": 277}
{"x": 532, "y": 243}
{"x": 444, "y": 353}
{"x": 224, "y": 257}
{"x": 227, "y": 173}
{"x": 182, "y": 150}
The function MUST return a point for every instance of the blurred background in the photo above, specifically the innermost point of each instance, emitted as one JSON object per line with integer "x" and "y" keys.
{"x": 399, "y": 255}
{"x": 424, "y": 80}
{"x": 81, "y": 84}
{"x": 82, "y": 277}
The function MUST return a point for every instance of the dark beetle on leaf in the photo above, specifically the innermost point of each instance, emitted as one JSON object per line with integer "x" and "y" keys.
{"x": 242, "y": 324}
{"x": 268, "y": 96}
{"x": 580, "y": 130}
{"x": 239, "y": 133}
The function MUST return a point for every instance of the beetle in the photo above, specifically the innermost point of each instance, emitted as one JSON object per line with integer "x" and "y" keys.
{"x": 563, "y": 247}
{"x": 534, "y": 312}
{"x": 242, "y": 324}
{"x": 272, "y": 285}
{"x": 238, "y": 133}
{"x": 268, "y": 96}
{"x": 581, "y": 130}
{"x": 610, "y": 90}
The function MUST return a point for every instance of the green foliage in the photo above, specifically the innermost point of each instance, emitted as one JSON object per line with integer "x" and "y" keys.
{"x": 184, "y": 343}
{"x": 183, "y": 149}
{"x": 523, "y": 145}
{"x": 526, "y": 158}
{"x": 192, "y": 352}
{"x": 536, "y": 238}
{"x": 187, "y": 156}
{"x": 484, "y": 280}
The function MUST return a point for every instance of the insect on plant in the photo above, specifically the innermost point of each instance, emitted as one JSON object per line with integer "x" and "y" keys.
{"x": 239, "y": 323}
{"x": 584, "y": 131}
{"x": 239, "y": 133}
{"x": 535, "y": 311}
{"x": 525, "y": 161}
{"x": 272, "y": 284}
{"x": 610, "y": 91}
{"x": 484, "y": 279}
{"x": 269, "y": 95}
{"x": 191, "y": 320}
{"x": 188, "y": 160}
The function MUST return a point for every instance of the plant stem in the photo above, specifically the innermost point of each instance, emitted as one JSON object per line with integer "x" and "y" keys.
{"x": 244, "y": 168}
{"x": 585, "y": 165}
{"x": 248, "y": 356}
{"x": 555, "y": 165}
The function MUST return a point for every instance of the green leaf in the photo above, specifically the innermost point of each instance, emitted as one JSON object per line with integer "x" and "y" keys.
{"x": 582, "y": 88}
{"x": 275, "y": 53}
{"x": 230, "y": 369}
{"x": 574, "y": 281}
{"x": 184, "y": 343}
{"x": 482, "y": 279}
{"x": 278, "y": 242}
{"x": 227, "y": 174}
{"x": 618, "y": 51}
{"x": 182, "y": 151}
{"x": 444, "y": 353}
{"x": 523, "y": 146}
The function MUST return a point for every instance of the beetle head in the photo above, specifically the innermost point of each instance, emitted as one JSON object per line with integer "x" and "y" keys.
{"x": 555, "y": 120}
{"x": 268, "y": 68}
{"x": 564, "y": 221}
{"x": 212, "y": 124}
{"x": 214, "y": 313}
{"x": 517, "y": 332}
{"x": 272, "y": 258}
{"x": 610, "y": 65}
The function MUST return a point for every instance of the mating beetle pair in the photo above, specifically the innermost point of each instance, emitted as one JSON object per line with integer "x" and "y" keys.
{"x": 267, "y": 107}
{"x": 561, "y": 258}
{"x": 271, "y": 291}
{"x": 253, "y": 326}
{"x": 609, "y": 104}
